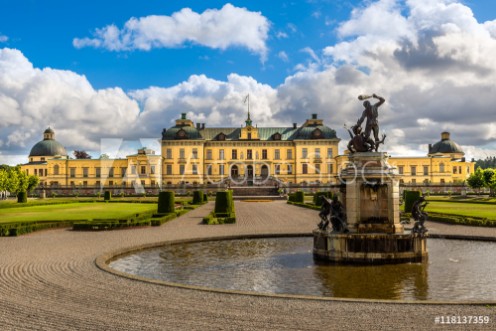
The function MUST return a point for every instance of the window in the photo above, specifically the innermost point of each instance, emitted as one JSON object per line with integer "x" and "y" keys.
{"x": 209, "y": 170}
{"x": 413, "y": 170}
{"x": 195, "y": 169}
{"x": 143, "y": 170}
{"x": 426, "y": 170}
{"x": 277, "y": 169}
{"x": 304, "y": 168}
{"x": 460, "y": 170}
{"x": 249, "y": 136}
{"x": 442, "y": 181}
{"x": 400, "y": 170}
{"x": 289, "y": 154}
{"x": 46, "y": 172}
{"x": 441, "y": 167}
{"x": 152, "y": 170}
{"x": 72, "y": 183}
{"x": 221, "y": 154}
{"x": 277, "y": 154}
{"x": 234, "y": 154}
{"x": 414, "y": 181}
{"x": 304, "y": 153}
{"x": 72, "y": 172}
{"x": 85, "y": 171}
{"x": 317, "y": 152}
{"x": 249, "y": 154}
{"x": 317, "y": 168}
{"x": 168, "y": 169}
{"x": 36, "y": 172}
{"x": 168, "y": 153}
{"x": 111, "y": 182}
{"x": 195, "y": 153}
{"x": 56, "y": 169}
{"x": 290, "y": 169}
{"x": 181, "y": 169}
{"x": 85, "y": 183}
{"x": 111, "y": 172}
{"x": 133, "y": 170}
{"x": 264, "y": 154}
{"x": 330, "y": 168}
{"x": 152, "y": 183}
{"x": 455, "y": 170}
{"x": 181, "y": 153}
{"x": 221, "y": 169}
{"x": 329, "y": 153}
{"x": 209, "y": 154}
{"x": 42, "y": 159}
{"x": 123, "y": 171}
{"x": 143, "y": 183}
{"x": 97, "y": 183}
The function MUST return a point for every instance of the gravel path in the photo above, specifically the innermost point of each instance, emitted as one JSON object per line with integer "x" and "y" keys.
{"x": 49, "y": 281}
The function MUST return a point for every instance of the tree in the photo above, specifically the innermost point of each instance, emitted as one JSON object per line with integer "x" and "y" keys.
{"x": 104, "y": 157}
{"x": 489, "y": 176}
{"x": 476, "y": 180}
{"x": 81, "y": 155}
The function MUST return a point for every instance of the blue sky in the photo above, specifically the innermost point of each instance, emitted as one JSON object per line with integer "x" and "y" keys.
{"x": 96, "y": 70}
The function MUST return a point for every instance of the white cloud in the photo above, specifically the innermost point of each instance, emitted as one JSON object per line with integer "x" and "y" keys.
{"x": 215, "y": 28}
{"x": 3, "y": 38}
{"x": 283, "y": 56}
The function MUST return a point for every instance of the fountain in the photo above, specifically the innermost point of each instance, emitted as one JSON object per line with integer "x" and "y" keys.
{"x": 371, "y": 232}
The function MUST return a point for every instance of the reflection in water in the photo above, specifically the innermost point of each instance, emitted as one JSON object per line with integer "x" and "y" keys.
{"x": 456, "y": 270}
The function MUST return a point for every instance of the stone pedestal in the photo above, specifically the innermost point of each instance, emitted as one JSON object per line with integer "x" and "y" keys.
{"x": 372, "y": 202}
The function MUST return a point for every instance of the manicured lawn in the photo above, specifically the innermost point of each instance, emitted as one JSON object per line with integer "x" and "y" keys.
{"x": 485, "y": 210}
{"x": 74, "y": 211}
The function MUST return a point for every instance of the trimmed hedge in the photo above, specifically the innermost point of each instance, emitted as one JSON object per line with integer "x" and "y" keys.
{"x": 17, "y": 229}
{"x": 298, "y": 196}
{"x": 461, "y": 220}
{"x": 223, "y": 212}
{"x": 109, "y": 224}
{"x": 166, "y": 202}
{"x": 410, "y": 197}
{"x": 22, "y": 197}
{"x": 198, "y": 198}
{"x": 305, "y": 205}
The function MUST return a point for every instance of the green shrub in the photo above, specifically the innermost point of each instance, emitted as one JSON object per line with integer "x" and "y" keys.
{"x": 22, "y": 197}
{"x": 197, "y": 197}
{"x": 223, "y": 202}
{"x": 410, "y": 197}
{"x": 107, "y": 196}
{"x": 166, "y": 202}
{"x": 205, "y": 197}
{"x": 299, "y": 196}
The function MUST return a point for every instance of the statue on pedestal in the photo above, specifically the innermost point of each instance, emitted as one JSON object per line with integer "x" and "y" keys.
{"x": 361, "y": 141}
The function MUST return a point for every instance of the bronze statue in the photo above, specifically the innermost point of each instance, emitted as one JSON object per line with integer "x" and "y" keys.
{"x": 332, "y": 210}
{"x": 370, "y": 114}
{"x": 420, "y": 216}
{"x": 358, "y": 142}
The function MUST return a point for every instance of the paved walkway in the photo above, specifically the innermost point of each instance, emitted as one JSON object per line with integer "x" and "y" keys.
{"x": 49, "y": 281}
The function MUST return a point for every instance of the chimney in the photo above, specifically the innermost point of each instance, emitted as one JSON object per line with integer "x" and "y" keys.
{"x": 198, "y": 126}
{"x": 203, "y": 126}
{"x": 295, "y": 125}
{"x": 183, "y": 116}
{"x": 445, "y": 135}
{"x": 314, "y": 116}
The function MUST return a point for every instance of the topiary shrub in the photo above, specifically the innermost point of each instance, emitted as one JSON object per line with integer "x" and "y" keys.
{"x": 410, "y": 198}
{"x": 166, "y": 202}
{"x": 223, "y": 202}
{"x": 22, "y": 197}
{"x": 197, "y": 197}
{"x": 107, "y": 196}
{"x": 205, "y": 197}
{"x": 299, "y": 196}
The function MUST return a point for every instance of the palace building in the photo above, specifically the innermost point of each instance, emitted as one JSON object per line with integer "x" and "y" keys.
{"x": 246, "y": 155}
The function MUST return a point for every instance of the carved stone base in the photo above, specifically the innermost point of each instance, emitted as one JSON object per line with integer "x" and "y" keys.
{"x": 373, "y": 248}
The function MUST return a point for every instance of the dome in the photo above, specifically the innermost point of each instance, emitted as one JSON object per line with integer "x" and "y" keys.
{"x": 48, "y": 146}
{"x": 445, "y": 145}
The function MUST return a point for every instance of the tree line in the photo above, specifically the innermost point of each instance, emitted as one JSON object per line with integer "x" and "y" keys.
{"x": 17, "y": 182}
{"x": 483, "y": 178}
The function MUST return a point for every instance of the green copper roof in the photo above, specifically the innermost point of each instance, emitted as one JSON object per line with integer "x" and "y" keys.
{"x": 48, "y": 148}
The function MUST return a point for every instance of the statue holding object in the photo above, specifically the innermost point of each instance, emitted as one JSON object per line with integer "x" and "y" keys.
{"x": 362, "y": 142}
{"x": 420, "y": 216}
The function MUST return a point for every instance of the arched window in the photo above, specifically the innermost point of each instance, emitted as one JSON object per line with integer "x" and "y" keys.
{"x": 441, "y": 167}
{"x": 56, "y": 169}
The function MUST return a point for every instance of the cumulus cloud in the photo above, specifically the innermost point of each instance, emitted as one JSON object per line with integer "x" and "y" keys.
{"x": 32, "y": 99}
{"x": 222, "y": 28}
{"x": 432, "y": 61}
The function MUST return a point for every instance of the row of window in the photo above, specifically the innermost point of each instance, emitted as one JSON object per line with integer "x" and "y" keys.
{"x": 109, "y": 183}
{"x": 249, "y": 154}
{"x": 234, "y": 170}
{"x": 110, "y": 171}
{"x": 413, "y": 170}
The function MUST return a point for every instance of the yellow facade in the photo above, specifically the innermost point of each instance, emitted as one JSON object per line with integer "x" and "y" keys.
{"x": 247, "y": 155}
